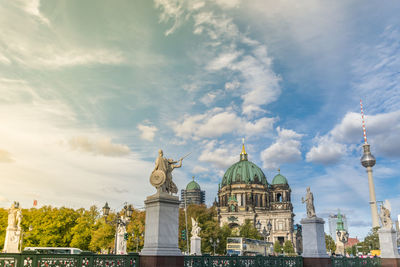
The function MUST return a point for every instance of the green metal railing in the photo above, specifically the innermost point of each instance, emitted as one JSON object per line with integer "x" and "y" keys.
{"x": 68, "y": 260}
{"x": 241, "y": 261}
{"x": 31, "y": 259}
{"x": 355, "y": 262}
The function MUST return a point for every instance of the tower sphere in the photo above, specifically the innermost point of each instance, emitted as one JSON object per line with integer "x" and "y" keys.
{"x": 367, "y": 160}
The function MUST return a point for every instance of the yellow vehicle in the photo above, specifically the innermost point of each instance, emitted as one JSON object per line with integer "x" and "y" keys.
{"x": 376, "y": 252}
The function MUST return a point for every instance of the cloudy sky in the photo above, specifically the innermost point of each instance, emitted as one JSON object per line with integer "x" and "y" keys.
{"x": 90, "y": 90}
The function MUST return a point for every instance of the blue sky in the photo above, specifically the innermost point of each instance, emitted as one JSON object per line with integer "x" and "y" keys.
{"x": 91, "y": 90}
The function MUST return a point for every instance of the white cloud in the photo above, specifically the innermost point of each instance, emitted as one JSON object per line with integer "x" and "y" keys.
{"x": 231, "y": 86}
{"x": 36, "y": 44}
{"x": 224, "y": 60}
{"x": 252, "y": 66}
{"x": 209, "y": 98}
{"x": 228, "y": 3}
{"x": 171, "y": 10}
{"x": 98, "y": 146}
{"x": 286, "y": 149}
{"x": 218, "y": 122}
{"x": 5, "y": 156}
{"x": 4, "y": 59}
{"x": 326, "y": 151}
{"x": 376, "y": 72}
{"x": 32, "y": 7}
{"x": 199, "y": 169}
{"x": 147, "y": 131}
{"x": 383, "y": 131}
{"x": 219, "y": 155}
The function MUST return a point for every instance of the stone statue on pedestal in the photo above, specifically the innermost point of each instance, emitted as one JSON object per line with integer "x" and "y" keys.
{"x": 161, "y": 248}
{"x": 309, "y": 200}
{"x": 13, "y": 232}
{"x": 314, "y": 248}
{"x": 387, "y": 235}
{"x": 161, "y": 177}
{"x": 195, "y": 240}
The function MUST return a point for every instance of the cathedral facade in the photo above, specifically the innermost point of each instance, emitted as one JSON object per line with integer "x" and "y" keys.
{"x": 244, "y": 194}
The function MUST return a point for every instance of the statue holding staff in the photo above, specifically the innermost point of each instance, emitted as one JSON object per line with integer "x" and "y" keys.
{"x": 161, "y": 177}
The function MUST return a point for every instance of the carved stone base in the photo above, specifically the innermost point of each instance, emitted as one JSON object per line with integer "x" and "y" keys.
{"x": 161, "y": 261}
{"x": 385, "y": 262}
{"x": 11, "y": 243}
{"x": 162, "y": 222}
{"x": 313, "y": 238}
{"x": 317, "y": 262}
{"x": 195, "y": 246}
{"x": 388, "y": 243}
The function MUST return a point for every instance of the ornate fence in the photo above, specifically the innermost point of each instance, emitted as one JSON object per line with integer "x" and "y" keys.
{"x": 355, "y": 262}
{"x": 132, "y": 260}
{"x": 241, "y": 261}
{"x": 67, "y": 260}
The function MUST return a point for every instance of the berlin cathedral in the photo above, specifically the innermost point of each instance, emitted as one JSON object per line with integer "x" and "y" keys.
{"x": 244, "y": 194}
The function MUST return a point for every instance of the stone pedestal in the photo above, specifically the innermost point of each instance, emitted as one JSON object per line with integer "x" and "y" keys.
{"x": 161, "y": 232}
{"x": 121, "y": 242}
{"x": 195, "y": 245}
{"x": 11, "y": 243}
{"x": 388, "y": 243}
{"x": 313, "y": 238}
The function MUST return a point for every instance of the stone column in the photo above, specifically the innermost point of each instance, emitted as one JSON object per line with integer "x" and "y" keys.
{"x": 161, "y": 232}
{"x": 195, "y": 245}
{"x": 314, "y": 249}
{"x": 388, "y": 245}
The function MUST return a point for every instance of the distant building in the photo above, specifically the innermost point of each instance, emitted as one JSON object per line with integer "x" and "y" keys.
{"x": 333, "y": 224}
{"x": 352, "y": 241}
{"x": 245, "y": 195}
{"x": 192, "y": 194}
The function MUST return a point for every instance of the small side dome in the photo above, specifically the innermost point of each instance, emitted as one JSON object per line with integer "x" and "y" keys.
{"x": 279, "y": 179}
{"x": 193, "y": 185}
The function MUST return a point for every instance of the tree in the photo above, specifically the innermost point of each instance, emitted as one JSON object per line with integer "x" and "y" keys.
{"x": 277, "y": 247}
{"x": 3, "y": 226}
{"x": 351, "y": 250}
{"x": 82, "y": 231}
{"x": 136, "y": 226}
{"x": 249, "y": 231}
{"x": 371, "y": 241}
{"x": 103, "y": 235}
{"x": 330, "y": 244}
{"x": 288, "y": 247}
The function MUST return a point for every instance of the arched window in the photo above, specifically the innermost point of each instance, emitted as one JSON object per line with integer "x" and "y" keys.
{"x": 279, "y": 197}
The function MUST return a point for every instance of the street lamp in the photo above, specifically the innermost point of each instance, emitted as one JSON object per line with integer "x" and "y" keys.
{"x": 265, "y": 233}
{"x": 214, "y": 243}
{"x": 119, "y": 220}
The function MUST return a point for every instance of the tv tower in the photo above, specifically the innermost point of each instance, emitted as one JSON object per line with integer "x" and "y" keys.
{"x": 368, "y": 161}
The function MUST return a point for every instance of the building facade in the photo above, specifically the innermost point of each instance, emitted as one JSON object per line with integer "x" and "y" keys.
{"x": 192, "y": 194}
{"x": 244, "y": 194}
{"x": 333, "y": 220}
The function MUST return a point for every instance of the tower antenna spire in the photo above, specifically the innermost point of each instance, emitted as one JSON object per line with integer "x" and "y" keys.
{"x": 363, "y": 122}
{"x": 368, "y": 161}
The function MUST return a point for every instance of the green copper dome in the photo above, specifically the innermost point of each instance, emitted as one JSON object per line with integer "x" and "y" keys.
{"x": 279, "y": 179}
{"x": 243, "y": 172}
{"x": 193, "y": 186}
